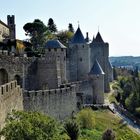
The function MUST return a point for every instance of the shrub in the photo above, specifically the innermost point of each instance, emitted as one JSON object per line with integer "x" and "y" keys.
{"x": 108, "y": 135}
{"x": 72, "y": 129}
{"x": 86, "y": 118}
{"x": 30, "y": 125}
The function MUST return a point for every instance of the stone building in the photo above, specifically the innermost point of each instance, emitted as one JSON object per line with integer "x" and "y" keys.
{"x": 4, "y": 31}
{"x": 7, "y": 31}
{"x": 82, "y": 55}
{"x": 62, "y": 79}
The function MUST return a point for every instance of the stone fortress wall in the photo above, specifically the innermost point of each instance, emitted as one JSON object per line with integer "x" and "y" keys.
{"x": 10, "y": 98}
{"x": 59, "y": 103}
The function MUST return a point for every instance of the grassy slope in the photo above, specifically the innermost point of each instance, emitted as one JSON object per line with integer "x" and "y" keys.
{"x": 104, "y": 120}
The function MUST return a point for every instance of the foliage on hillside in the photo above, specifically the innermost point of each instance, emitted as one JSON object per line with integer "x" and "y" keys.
{"x": 127, "y": 90}
{"x": 30, "y": 126}
{"x": 35, "y": 126}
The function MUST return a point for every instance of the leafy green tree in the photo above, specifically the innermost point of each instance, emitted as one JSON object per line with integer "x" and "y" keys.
{"x": 64, "y": 37}
{"x": 108, "y": 135}
{"x": 70, "y": 28}
{"x": 86, "y": 118}
{"x": 72, "y": 129}
{"x": 52, "y": 26}
{"x": 37, "y": 31}
{"x": 131, "y": 102}
{"x": 30, "y": 126}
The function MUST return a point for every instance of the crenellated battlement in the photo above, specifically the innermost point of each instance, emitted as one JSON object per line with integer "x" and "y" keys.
{"x": 8, "y": 89}
{"x": 10, "y": 98}
{"x": 59, "y": 103}
{"x": 4, "y": 52}
{"x": 50, "y": 92}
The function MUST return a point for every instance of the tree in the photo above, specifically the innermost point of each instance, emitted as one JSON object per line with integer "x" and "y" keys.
{"x": 30, "y": 126}
{"x": 70, "y": 28}
{"x": 72, "y": 129}
{"x": 51, "y": 26}
{"x": 108, "y": 135}
{"x": 86, "y": 118}
{"x": 114, "y": 73}
{"x": 37, "y": 31}
{"x": 136, "y": 72}
{"x": 64, "y": 37}
{"x": 132, "y": 102}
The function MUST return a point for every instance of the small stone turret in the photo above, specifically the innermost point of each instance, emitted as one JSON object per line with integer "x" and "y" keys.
{"x": 96, "y": 77}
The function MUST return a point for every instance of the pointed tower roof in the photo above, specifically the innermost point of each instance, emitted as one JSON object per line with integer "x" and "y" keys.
{"x": 96, "y": 69}
{"x": 98, "y": 38}
{"x": 54, "y": 44}
{"x": 78, "y": 37}
{"x": 93, "y": 39}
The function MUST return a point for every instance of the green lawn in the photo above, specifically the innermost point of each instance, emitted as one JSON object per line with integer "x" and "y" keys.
{"x": 105, "y": 119}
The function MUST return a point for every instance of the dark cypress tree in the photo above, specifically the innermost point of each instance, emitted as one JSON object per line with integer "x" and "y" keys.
{"x": 136, "y": 72}
{"x": 70, "y": 28}
{"x": 52, "y": 26}
{"x": 114, "y": 73}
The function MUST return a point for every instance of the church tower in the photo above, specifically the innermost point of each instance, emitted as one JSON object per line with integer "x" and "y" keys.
{"x": 12, "y": 26}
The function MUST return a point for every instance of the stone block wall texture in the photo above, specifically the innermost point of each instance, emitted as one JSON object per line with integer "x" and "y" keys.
{"x": 10, "y": 98}
{"x": 58, "y": 103}
{"x": 79, "y": 61}
{"x": 97, "y": 83}
{"x": 100, "y": 51}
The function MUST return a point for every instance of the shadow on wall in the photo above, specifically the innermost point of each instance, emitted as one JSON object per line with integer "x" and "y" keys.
{"x": 3, "y": 76}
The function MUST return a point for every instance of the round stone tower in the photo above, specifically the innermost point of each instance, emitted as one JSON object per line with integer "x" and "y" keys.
{"x": 96, "y": 77}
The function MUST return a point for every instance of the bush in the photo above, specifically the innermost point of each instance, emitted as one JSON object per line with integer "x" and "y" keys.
{"x": 108, "y": 135}
{"x": 30, "y": 126}
{"x": 72, "y": 129}
{"x": 86, "y": 118}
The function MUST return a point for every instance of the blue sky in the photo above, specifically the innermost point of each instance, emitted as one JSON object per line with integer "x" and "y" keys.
{"x": 118, "y": 20}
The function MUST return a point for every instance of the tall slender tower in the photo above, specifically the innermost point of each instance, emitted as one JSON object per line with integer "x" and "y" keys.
{"x": 12, "y": 26}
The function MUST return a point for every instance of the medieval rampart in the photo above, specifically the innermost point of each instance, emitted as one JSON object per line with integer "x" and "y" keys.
{"x": 59, "y": 103}
{"x": 10, "y": 98}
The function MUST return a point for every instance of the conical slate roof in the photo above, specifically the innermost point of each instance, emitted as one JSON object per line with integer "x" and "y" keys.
{"x": 51, "y": 44}
{"x": 96, "y": 69}
{"x": 98, "y": 38}
{"x": 78, "y": 37}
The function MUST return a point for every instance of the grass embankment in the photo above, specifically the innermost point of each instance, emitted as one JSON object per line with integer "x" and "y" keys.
{"x": 105, "y": 119}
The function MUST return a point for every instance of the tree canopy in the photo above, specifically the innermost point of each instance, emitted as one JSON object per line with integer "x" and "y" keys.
{"x": 64, "y": 37}
{"x": 37, "y": 31}
{"x": 30, "y": 126}
{"x": 52, "y": 26}
{"x": 70, "y": 28}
